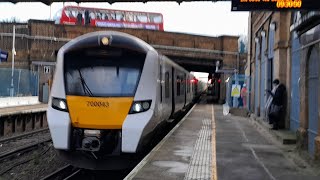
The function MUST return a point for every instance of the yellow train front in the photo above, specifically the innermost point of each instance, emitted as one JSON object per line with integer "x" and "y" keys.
{"x": 110, "y": 93}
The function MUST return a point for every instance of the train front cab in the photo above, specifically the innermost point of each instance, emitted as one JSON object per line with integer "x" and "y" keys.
{"x": 97, "y": 108}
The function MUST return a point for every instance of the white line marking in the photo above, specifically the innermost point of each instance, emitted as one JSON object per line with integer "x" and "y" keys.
{"x": 254, "y": 153}
{"x": 144, "y": 161}
{"x": 261, "y": 163}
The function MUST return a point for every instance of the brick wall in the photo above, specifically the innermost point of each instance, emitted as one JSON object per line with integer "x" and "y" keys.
{"x": 44, "y": 50}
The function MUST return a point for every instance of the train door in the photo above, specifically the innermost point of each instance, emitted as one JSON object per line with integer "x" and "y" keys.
{"x": 160, "y": 78}
{"x": 173, "y": 89}
{"x": 185, "y": 89}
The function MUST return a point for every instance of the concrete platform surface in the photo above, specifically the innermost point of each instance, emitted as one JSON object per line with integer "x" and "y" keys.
{"x": 249, "y": 153}
{"x": 23, "y": 109}
{"x": 186, "y": 153}
{"x": 285, "y": 136}
{"x": 18, "y": 101}
{"x": 208, "y": 145}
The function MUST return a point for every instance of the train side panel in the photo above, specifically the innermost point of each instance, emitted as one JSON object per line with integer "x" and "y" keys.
{"x": 58, "y": 121}
{"x": 165, "y": 90}
{"x": 137, "y": 126}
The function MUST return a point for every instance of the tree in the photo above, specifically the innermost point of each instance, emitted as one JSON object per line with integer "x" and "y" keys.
{"x": 243, "y": 44}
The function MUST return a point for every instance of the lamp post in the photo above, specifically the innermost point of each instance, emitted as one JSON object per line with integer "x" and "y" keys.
{"x": 13, "y": 54}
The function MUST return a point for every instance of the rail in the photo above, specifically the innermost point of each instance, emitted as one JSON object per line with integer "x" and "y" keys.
{"x": 3, "y": 140}
{"x": 68, "y": 171}
{"x": 18, "y": 151}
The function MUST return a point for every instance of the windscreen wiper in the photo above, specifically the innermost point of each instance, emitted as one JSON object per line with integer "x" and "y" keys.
{"x": 85, "y": 87}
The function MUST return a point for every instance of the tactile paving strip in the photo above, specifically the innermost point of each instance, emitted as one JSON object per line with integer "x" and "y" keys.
{"x": 200, "y": 167}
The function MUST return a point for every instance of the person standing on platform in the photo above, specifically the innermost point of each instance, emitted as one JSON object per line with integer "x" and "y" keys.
{"x": 276, "y": 110}
{"x": 243, "y": 95}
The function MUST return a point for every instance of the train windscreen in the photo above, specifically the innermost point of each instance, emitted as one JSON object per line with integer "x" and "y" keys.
{"x": 102, "y": 72}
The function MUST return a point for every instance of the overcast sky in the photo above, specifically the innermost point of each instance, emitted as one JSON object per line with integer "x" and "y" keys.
{"x": 204, "y": 18}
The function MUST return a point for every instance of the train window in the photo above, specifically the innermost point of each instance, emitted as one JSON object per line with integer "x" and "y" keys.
{"x": 157, "y": 18}
{"x": 160, "y": 76}
{"x": 178, "y": 86}
{"x": 167, "y": 85}
{"x": 109, "y": 76}
{"x": 142, "y": 18}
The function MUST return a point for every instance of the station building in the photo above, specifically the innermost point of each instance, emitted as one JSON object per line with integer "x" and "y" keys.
{"x": 285, "y": 46}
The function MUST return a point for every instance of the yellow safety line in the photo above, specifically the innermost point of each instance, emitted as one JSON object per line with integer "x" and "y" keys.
{"x": 213, "y": 137}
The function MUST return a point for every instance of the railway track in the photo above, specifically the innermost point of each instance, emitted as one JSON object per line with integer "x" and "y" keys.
{"x": 18, "y": 152}
{"x": 23, "y": 135}
{"x": 23, "y": 149}
{"x": 9, "y": 143}
{"x": 66, "y": 173}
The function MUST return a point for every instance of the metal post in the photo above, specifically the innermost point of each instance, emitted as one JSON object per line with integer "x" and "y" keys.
{"x": 12, "y": 64}
{"x": 38, "y": 87}
{"x": 235, "y": 99}
{"x": 18, "y": 91}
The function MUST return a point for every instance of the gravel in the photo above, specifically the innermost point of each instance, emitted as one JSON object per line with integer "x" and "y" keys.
{"x": 15, "y": 143}
{"x": 43, "y": 161}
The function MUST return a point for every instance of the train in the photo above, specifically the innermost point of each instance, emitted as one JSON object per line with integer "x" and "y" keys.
{"x": 111, "y": 92}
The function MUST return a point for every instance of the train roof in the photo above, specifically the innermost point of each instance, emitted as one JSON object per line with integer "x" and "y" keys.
{"x": 173, "y": 64}
{"x": 115, "y": 39}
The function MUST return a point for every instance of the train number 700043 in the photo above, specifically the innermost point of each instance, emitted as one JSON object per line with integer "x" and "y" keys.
{"x": 97, "y": 104}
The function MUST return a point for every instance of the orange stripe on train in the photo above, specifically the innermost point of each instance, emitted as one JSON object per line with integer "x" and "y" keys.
{"x": 98, "y": 112}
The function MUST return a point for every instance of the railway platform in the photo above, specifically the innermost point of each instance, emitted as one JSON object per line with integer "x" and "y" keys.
{"x": 22, "y": 109}
{"x": 185, "y": 152}
{"x": 23, "y": 118}
{"x": 206, "y": 145}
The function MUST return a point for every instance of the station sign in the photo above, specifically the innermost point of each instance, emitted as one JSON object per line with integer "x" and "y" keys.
{"x": 235, "y": 90}
{"x": 3, "y": 56}
{"x": 46, "y": 69}
{"x": 274, "y": 5}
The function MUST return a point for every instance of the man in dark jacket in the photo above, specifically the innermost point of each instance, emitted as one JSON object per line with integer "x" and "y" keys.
{"x": 276, "y": 111}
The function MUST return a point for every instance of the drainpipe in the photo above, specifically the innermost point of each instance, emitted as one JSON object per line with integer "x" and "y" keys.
{"x": 236, "y": 71}
{"x": 249, "y": 65}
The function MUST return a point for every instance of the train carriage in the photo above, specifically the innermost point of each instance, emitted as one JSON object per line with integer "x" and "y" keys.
{"x": 110, "y": 93}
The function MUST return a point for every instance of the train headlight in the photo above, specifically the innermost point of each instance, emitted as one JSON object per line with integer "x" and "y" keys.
{"x": 146, "y": 105}
{"x": 140, "y": 106}
{"x": 59, "y": 104}
{"x": 137, "y": 107}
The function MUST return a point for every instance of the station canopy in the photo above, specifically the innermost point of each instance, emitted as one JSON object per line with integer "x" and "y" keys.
{"x": 48, "y": 2}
